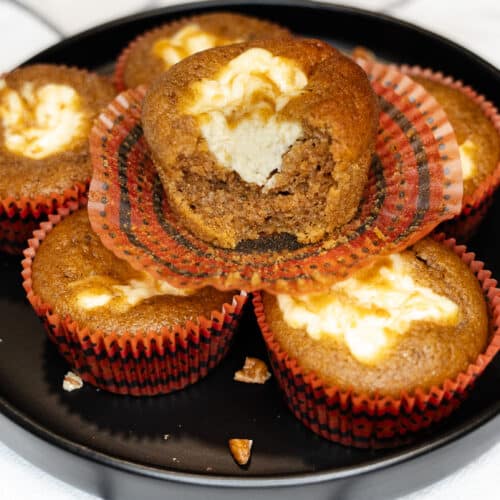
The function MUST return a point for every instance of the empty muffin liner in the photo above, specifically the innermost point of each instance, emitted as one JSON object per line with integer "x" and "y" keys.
{"x": 140, "y": 364}
{"x": 374, "y": 421}
{"x": 19, "y": 217}
{"x": 415, "y": 183}
{"x": 475, "y": 205}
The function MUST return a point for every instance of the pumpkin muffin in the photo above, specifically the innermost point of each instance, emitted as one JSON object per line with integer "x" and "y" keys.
{"x": 477, "y": 137}
{"x": 410, "y": 320}
{"x": 154, "y": 52}
{"x": 74, "y": 278}
{"x": 262, "y": 138}
{"x": 46, "y": 113}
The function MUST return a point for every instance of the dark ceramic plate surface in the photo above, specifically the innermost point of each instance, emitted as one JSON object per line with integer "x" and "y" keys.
{"x": 114, "y": 446}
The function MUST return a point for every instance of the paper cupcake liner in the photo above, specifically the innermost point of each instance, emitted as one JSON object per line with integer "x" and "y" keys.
{"x": 19, "y": 217}
{"x": 477, "y": 201}
{"x": 141, "y": 364}
{"x": 374, "y": 421}
{"x": 414, "y": 184}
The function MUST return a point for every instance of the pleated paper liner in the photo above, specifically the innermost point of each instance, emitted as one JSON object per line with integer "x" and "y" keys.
{"x": 475, "y": 205}
{"x": 414, "y": 184}
{"x": 365, "y": 421}
{"x": 140, "y": 364}
{"x": 19, "y": 217}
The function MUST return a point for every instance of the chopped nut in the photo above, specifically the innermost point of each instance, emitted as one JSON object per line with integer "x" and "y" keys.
{"x": 72, "y": 382}
{"x": 254, "y": 371}
{"x": 241, "y": 450}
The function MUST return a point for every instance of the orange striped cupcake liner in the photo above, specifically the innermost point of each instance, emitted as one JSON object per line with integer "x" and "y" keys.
{"x": 19, "y": 217}
{"x": 415, "y": 183}
{"x": 475, "y": 205}
{"x": 366, "y": 421}
{"x": 140, "y": 364}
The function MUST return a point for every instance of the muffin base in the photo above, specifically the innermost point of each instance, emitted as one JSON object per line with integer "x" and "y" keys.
{"x": 366, "y": 421}
{"x": 141, "y": 364}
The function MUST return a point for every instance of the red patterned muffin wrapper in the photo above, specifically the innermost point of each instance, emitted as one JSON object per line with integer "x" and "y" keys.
{"x": 141, "y": 364}
{"x": 464, "y": 225}
{"x": 366, "y": 421}
{"x": 415, "y": 183}
{"x": 19, "y": 217}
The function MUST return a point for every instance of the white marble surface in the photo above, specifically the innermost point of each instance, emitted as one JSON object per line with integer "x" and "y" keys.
{"x": 473, "y": 23}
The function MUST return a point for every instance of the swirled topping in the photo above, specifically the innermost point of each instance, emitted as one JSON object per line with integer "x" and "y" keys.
{"x": 370, "y": 310}
{"x": 39, "y": 121}
{"x": 99, "y": 290}
{"x": 186, "y": 41}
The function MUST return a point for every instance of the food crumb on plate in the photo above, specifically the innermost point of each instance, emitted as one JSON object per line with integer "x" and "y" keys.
{"x": 241, "y": 450}
{"x": 254, "y": 371}
{"x": 72, "y": 382}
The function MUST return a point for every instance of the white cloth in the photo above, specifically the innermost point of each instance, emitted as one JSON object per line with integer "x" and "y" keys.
{"x": 474, "y": 24}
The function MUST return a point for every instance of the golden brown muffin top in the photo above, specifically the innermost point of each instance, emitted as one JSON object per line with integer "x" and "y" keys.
{"x": 78, "y": 277}
{"x": 46, "y": 113}
{"x": 425, "y": 355}
{"x": 158, "y": 49}
{"x": 477, "y": 138}
{"x": 332, "y": 95}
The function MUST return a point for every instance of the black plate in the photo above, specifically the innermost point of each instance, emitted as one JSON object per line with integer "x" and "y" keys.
{"x": 114, "y": 445}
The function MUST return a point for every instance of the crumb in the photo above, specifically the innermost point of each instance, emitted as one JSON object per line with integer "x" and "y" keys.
{"x": 254, "y": 371}
{"x": 179, "y": 426}
{"x": 209, "y": 469}
{"x": 72, "y": 382}
{"x": 175, "y": 459}
{"x": 241, "y": 450}
{"x": 166, "y": 436}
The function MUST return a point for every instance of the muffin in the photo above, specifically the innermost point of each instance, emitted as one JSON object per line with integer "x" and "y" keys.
{"x": 477, "y": 137}
{"x": 258, "y": 139}
{"x": 154, "y": 52}
{"x": 147, "y": 337}
{"x": 398, "y": 343}
{"x": 46, "y": 113}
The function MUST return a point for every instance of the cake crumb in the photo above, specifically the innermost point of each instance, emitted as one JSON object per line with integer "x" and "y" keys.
{"x": 209, "y": 469}
{"x": 166, "y": 436}
{"x": 72, "y": 382}
{"x": 241, "y": 450}
{"x": 254, "y": 371}
{"x": 360, "y": 52}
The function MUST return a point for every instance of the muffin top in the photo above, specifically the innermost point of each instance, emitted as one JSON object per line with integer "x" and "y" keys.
{"x": 237, "y": 117}
{"x": 409, "y": 320}
{"x": 154, "y": 52}
{"x": 46, "y": 113}
{"x": 478, "y": 140}
{"x": 78, "y": 277}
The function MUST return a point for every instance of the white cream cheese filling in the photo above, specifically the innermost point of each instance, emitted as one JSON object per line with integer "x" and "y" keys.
{"x": 369, "y": 310}
{"x": 40, "y": 121}
{"x": 185, "y": 42}
{"x": 237, "y": 111}
{"x": 97, "y": 291}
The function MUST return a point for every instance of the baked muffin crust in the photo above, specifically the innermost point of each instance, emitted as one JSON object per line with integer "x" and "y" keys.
{"x": 157, "y": 50}
{"x": 424, "y": 356}
{"x": 46, "y": 112}
{"x": 80, "y": 278}
{"x": 323, "y": 171}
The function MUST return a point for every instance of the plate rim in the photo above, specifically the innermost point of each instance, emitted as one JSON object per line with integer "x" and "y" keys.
{"x": 276, "y": 480}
